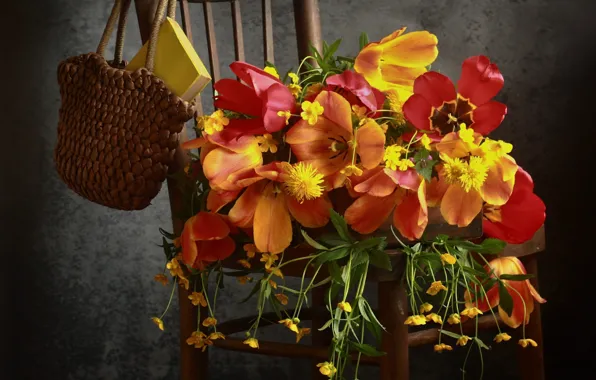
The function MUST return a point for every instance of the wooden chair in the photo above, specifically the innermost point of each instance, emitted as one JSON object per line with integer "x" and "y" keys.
{"x": 393, "y": 310}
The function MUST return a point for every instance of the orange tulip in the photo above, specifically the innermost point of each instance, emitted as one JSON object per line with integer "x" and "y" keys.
{"x": 522, "y": 292}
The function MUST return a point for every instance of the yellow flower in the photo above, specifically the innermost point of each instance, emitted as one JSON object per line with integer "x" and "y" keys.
{"x": 359, "y": 111}
{"x": 447, "y": 258}
{"x": 289, "y": 324}
{"x": 215, "y": 123}
{"x": 345, "y": 306}
{"x": 197, "y": 298}
{"x": 243, "y": 279}
{"x": 327, "y": 369}
{"x": 502, "y": 337}
{"x": 271, "y": 70}
{"x": 269, "y": 259}
{"x": 311, "y": 111}
{"x": 425, "y": 141}
{"x": 493, "y": 150}
{"x": 199, "y": 340}
{"x": 351, "y": 170}
{"x": 276, "y": 272}
{"x": 415, "y": 320}
{"x": 436, "y": 318}
{"x": 435, "y": 288}
{"x": 304, "y": 331}
{"x": 425, "y": 308}
{"x": 209, "y": 321}
{"x": 471, "y": 312}
{"x": 183, "y": 281}
{"x": 267, "y": 143}
{"x": 286, "y": 114}
{"x": 244, "y": 263}
{"x": 174, "y": 267}
{"x": 304, "y": 182}
{"x": 158, "y": 322}
{"x": 392, "y": 156}
{"x": 216, "y": 335}
{"x": 273, "y": 284}
{"x": 527, "y": 342}
{"x": 295, "y": 89}
{"x": 471, "y": 175}
{"x": 454, "y": 319}
{"x": 405, "y": 164}
{"x": 442, "y": 347}
{"x": 250, "y": 249}
{"x": 465, "y": 134}
{"x": 397, "y": 98}
{"x": 282, "y": 298}
{"x": 161, "y": 278}
{"x": 463, "y": 340}
{"x": 252, "y": 342}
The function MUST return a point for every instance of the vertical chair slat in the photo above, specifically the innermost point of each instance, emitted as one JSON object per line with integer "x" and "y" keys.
{"x": 186, "y": 25}
{"x": 308, "y": 26}
{"x": 238, "y": 36}
{"x": 211, "y": 43}
{"x": 268, "y": 31}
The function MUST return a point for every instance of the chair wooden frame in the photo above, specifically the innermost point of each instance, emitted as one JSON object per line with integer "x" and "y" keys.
{"x": 393, "y": 312}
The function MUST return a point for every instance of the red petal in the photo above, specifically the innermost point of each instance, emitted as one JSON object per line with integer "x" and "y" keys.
{"x": 377, "y": 185}
{"x": 411, "y": 215}
{"x": 368, "y": 213}
{"x": 244, "y": 209}
{"x": 417, "y": 110}
{"x": 408, "y": 179}
{"x": 488, "y": 117}
{"x": 277, "y": 98}
{"x": 357, "y": 85}
{"x": 215, "y": 250}
{"x": 188, "y": 245}
{"x": 234, "y": 96}
{"x": 208, "y": 226}
{"x": 194, "y": 143}
{"x": 480, "y": 80}
{"x": 255, "y": 77}
{"x": 310, "y": 214}
{"x": 435, "y": 88}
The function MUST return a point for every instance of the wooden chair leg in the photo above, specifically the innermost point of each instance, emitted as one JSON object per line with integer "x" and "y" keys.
{"x": 319, "y": 317}
{"x": 531, "y": 359}
{"x": 393, "y": 311}
{"x": 193, "y": 362}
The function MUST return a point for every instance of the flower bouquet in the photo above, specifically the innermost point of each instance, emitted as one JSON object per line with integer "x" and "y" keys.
{"x": 331, "y": 164}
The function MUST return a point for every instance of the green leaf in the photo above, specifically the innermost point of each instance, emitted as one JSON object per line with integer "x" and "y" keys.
{"x": 365, "y": 309}
{"x": 266, "y": 289}
{"x": 254, "y": 290}
{"x": 489, "y": 246}
{"x": 328, "y": 53}
{"x": 167, "y": 234}
{"x": 312, "y": 242}
{"x": 332, "y": 255}
{"x": 450, "y": 334}
{"x": 335, "y": 272}
{"x": 166, "y": 248}
{"x": 366, "y": 349}
{"x": 505, "y": 300}
{"x": 473, "y": 272}
{"x": 481, "y": 343}
{"x": 515, "y": 277}
{"x": 340, "y": 226}
{"x": 332, "y": 240}
{"x": 359, "y": 258}
{"x": 380, "y": 259}
{"x": 363, "y": 40}
{"x": 345, "y": 59}
{"x": 368, "y": 243}
{"x": 326, "y": 325}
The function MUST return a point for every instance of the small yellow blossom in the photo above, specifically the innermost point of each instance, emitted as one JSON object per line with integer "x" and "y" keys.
{"x": 209, "y": 321}
{"x": 527, "y": 342}
{"x": 435, "y": 288}
{"x": 174, "y": 267}
{"x": 183, "y": 281}
{"x": 471, "y": 312}
{"x": 286, "y": 114}
{"x": 465, "y": 134}
{"x": 425, "y": 308}
{"x": 161, "y": 278}
{"x": 463, "y": 340}
{"x": 502, "y": 337}
{"x": 252, "y": 342}
{"x": 311, "y": 111}
{"x": 290, "y": 324}
{"x": 244, "y": 263}
{"x": 273, "y": 284}
{"x": 250, "y": 249}
{"x": 271, "y": 70}
{"x": 351, "y": 170}
{"x": 442, "y": 347}
{"x": 294, "y": 87}
{"x": 304, "y": 331}
{"x": 425, "y": 141}
{"x": 267, "y": 143}
{"x": 243, "y": 279}
{"x": 404, "y": 164}
{"x": 215, "y": 122}
{"x": 436, "y": 318}
{"x": 327, "y": 369}
{"x": 158, "y": 322}
{"x": 392, "y": 156}
{"x": 447, "y": 258}
{"x": 454, "y": 319}
{"x": 269, "y": 259}
{"x": 282, "y": 298}
{"x": 199, "y": 340}
{"x": 359, "y": 111}
{"x": 276, "y": 272}
{"x": 345, "y": 306}
{"x": 415, "y": 320}
{"x": 197, "y": 298}
{"x": 216, "y": 335}
{"x": 492, "y": 150}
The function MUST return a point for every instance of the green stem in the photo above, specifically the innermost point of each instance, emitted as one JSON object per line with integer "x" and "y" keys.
{"x": 170, "y": 301}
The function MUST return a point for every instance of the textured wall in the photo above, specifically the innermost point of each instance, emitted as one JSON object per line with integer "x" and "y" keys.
{"x": 76, "y": 289}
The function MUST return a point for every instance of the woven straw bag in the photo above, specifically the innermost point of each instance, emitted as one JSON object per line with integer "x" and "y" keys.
{"x": 117, "y": 130}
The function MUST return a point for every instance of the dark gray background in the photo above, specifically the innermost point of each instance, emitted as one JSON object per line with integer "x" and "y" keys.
{"x": 76, "y": 289}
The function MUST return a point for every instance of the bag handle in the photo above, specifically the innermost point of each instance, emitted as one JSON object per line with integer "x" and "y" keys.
{"x": 120, "y": 11}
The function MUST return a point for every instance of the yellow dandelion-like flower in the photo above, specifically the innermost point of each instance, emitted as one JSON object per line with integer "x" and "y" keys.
{"x": 435, "y": 288}
{"x": 304, "y": 182}
{"x": 447, "y": 258}
{"x": 474, "y": 174}
{"x": 161, "y": 278}
{"x": 252, "y": 342}
{"x": 311, "y": 111}
{"x": 502, "y": 337}
{"x": 158, "y": 322}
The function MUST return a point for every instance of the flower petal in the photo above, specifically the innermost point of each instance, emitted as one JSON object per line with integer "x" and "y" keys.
{"x": 368, "y": 213}
{"x": 435, "y": 191}
{"x": 243, "y": 211}
{"x": 435, "y": 88}
{"x": 215, "y": 250}
{"x": 408, "y": 179}
{"x": 399, "y": 76}
{"x": 417, "y": 110}
{"x": 357, "y": 85}
{"x": 234, "y": 96}
{"x": 272, "y": 225}
{"x": 207, "y": 226}
{"x": 311, "y": 213}
{"x": 377, "y": 185}
{"x": 411, "y": 214}
{"x": 480, "y": 80}
{"x": 277, "y": 98}
{"x": 460, "y": 208}
{"x": 217, "y": 200}
{"x": 415, "y": 49}
{"x": 337, "y": 110}
{"x": 495, "y": 190}
{"x": 488, "y": 117}
{"x": 194, "y": 143}
{"x": 370, "y": 144}
{"x": 188, "y": 245}
{"x": 220, "y": 163}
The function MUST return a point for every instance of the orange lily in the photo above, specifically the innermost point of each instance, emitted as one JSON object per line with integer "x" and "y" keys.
{"x": 267, "y": 207}
{"x": 383, "y": 191}
{"x": 522, "y": 292}
{"x": 328, "y": 145}
{"x": 397, "y": 60}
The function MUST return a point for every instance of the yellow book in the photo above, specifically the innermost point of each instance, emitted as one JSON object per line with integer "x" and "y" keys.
{"x": 176, "y": 62}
